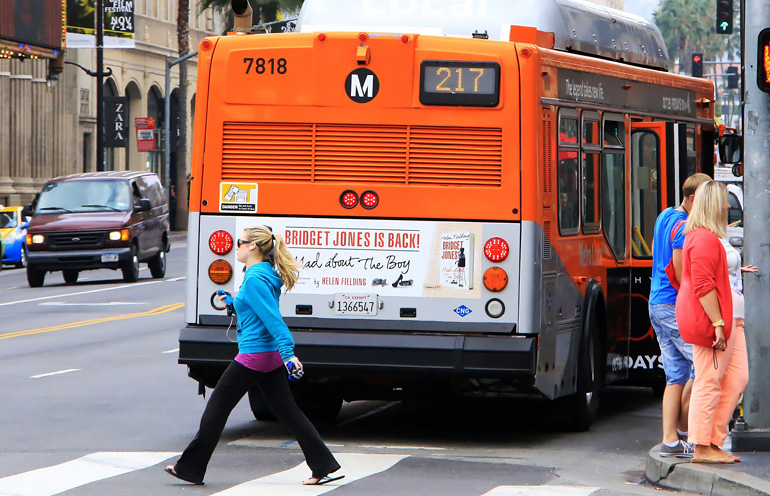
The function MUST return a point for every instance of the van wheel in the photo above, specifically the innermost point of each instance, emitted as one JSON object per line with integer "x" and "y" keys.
{"x": 22, "y": 257}
{"x": 70, "y": 276}
{"x": 157, "y": 265}
{"x": 35, "y": 277}
{"x": 131, "y": 268}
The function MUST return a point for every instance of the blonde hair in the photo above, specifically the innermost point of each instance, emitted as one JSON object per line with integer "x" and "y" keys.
{"x": 287, "y": 266}
{"x": 708, "y": 209}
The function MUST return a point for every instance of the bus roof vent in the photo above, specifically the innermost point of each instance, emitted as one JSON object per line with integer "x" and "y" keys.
{"x": 578, "y": 26}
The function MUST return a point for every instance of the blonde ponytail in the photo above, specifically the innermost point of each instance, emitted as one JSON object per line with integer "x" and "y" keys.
{"x": 287, "y": 266}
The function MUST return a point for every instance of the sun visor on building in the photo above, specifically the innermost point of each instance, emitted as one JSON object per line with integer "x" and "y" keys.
{"x": 577, "y": 26}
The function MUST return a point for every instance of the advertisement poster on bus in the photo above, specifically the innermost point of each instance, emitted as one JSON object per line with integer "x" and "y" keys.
{"x": 403, "y": 258}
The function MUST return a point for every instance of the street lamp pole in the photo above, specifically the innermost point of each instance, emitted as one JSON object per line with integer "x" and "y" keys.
{"x": 99, "y": 86}
{"x": 167, "y": 121}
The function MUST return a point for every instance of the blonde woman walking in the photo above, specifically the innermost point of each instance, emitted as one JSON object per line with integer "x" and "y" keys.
{"x": 265, "y": 348}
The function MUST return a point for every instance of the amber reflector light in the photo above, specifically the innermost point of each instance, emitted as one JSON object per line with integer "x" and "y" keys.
{"x": 496, "y": 249}
{"x": 220, "y": 271}
{"x": 221, "y": 242}
{"x": 495, "y": 279}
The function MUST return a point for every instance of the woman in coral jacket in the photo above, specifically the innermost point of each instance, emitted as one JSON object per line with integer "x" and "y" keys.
{"x": 704, "y": 315}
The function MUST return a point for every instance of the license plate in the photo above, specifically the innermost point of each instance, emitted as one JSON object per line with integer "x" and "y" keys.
{"x": 355, "y": 304}
{"x": 109, "y": 257}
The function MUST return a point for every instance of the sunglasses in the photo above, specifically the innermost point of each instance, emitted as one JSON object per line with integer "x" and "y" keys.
{"x": 242, "y": 242}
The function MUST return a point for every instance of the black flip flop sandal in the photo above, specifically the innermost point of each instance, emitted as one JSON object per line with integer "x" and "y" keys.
{"x": 172, "y": 471}
{"x": 323, "y": 480}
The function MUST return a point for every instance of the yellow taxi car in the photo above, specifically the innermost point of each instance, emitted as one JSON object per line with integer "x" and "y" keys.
{"x": 13, "y": 230}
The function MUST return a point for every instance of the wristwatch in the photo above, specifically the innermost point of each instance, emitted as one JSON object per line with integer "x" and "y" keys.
{"x": 718, "y": 323}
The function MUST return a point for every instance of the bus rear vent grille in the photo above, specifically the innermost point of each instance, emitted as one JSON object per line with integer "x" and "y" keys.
{"x": 343, "y": 153}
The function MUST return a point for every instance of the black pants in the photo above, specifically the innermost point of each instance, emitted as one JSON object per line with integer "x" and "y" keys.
{"x": 274, "y": 386}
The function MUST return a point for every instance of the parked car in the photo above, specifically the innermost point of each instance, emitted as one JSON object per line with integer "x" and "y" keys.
{"x": 13, "y": 230}
{"x": 98, "y": 220}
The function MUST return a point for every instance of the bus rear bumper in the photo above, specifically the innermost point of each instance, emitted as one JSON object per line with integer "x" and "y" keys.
{"x": 359, "y": 354}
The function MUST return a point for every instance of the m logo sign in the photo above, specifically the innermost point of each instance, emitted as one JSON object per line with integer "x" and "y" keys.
{"x": 362, "y": 85}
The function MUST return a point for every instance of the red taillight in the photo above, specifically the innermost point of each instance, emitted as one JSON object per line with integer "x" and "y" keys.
{"x": 349, "y": 198}
{"x": 496, "y": 249}
{"x": 369, "y": 199}
{"x": 221, "y": 242}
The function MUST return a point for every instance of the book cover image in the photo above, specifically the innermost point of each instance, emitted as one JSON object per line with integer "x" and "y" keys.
{"x": 456, "y": 269}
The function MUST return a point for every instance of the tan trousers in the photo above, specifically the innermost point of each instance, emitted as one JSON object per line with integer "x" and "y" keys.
{"x": 716, "y": 391}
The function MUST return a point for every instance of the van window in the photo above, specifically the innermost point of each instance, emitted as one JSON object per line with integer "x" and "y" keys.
{"x": 84, "y": 196}
{"x": 151, "y": 190}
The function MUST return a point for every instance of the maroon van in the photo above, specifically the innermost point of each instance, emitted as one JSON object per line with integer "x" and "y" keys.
{"x": 98, "y": 220}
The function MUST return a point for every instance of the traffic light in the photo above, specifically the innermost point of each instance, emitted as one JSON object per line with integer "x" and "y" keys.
{"x": 724, "y": 16}
{"x": 763, "y": 60}
{"x": 697, "y": 65}
{"x": 732, "y": 78}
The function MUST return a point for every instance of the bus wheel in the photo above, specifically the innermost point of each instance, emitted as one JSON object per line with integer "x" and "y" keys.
{"x": 259, "y": 406}
{"x": 584, "y": 404}
{"x": 318, "y": 405}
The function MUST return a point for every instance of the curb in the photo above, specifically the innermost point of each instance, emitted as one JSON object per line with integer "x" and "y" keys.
{"x": 681, "y": 475}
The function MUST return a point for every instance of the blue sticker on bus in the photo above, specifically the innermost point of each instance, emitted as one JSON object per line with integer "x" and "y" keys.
{"x": 462, "y": 311}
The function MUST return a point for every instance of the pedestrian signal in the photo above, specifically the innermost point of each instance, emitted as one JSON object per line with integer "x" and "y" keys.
{"x": 697, "y": 65}
{"x": 763, "y": 60}
{"x": 732, "y": 78}
{"x": 724, "y": 16}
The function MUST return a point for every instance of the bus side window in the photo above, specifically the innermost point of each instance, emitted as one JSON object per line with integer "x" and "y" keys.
{"x": 591, "y": 163}
{"x": 614, "y": 186}
{"x": 645, "y": 167}
{"x": 568, "y": 182}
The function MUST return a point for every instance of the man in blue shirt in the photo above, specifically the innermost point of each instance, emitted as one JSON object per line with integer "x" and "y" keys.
{"x": 667, "y": 246}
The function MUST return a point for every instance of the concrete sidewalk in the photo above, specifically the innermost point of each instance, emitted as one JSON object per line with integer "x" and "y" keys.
{"x": 750, "y": 477}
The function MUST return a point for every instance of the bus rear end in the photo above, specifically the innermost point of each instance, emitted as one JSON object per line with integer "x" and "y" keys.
{"x": 390, "y": 163}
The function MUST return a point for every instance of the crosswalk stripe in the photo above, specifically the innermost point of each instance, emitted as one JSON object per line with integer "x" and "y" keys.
{"x": 355, "y": 466}
{"x": 541, "y": 491}
{"x": 84, "y": 470}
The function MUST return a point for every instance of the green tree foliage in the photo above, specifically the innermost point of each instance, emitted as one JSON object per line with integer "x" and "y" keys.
{"x": 689, "y": 26}
{"x": 264, "y": 10}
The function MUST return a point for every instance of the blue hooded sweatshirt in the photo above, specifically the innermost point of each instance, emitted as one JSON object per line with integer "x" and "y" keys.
{"x": 260, "y": 324}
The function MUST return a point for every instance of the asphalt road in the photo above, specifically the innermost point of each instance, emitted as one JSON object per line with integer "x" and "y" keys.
{"x": 94, "y": 403}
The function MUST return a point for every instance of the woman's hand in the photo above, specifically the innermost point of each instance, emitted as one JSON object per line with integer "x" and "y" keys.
{"x": 749, "y": 268}
{"x": 296, "y": 362}
{"x": 720, "y": 343}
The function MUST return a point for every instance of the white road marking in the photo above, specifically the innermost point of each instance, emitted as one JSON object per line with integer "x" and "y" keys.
{"x": 172, "y": 351}
{"x": 355, "y": 466}
{"x": 541, "y": 491}
{"x": 49, "y": 374}
{"x": 90, "y": 468}
{"x": 107, "y": 304}
{"x": 134, "y": 285}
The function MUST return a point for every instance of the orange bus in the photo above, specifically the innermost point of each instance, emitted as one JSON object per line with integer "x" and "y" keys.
{"x": 471, "y": 190}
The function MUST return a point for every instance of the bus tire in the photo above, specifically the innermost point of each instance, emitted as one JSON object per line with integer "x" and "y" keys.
{"x": 320, "y": 406}
{"x": 259, "y": 406}
{"x": 583, "y": 405}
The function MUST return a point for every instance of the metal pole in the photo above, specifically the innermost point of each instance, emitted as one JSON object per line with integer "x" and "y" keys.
{"x": 755, "y": 433}
{"x": 167, "y": 121}
{"x": 99, "y": 86}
